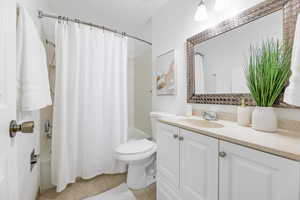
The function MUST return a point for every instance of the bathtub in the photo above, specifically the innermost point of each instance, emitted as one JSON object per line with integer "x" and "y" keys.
{"x": 136, "y": 134}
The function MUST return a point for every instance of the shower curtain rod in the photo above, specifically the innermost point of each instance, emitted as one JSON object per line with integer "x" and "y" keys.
{"x": 42, "y": 15}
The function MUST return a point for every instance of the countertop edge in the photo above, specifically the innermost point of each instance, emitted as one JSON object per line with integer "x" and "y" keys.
{"x": 266, "y": 149}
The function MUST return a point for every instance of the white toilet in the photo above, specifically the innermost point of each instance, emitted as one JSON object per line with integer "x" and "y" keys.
{"x": 140, "y": 155}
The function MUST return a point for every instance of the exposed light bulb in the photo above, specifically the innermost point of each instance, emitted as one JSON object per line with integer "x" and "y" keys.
{"x": 221, "y": 4}
{"x": 201, "y": 13}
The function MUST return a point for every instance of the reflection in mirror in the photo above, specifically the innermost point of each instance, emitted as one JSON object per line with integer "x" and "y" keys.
{"x": 221, "y": 70}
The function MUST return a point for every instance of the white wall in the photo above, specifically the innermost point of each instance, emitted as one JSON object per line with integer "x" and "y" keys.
{"x": 145, "y": 32}
{"x": 143, "y": 86}
{"x": 139, "y": 83}
{"x": 139, "y": 93}
{"x": 29, "y": 180}
{"x": 131, "y": 92}
{"x": 172, "y": 25}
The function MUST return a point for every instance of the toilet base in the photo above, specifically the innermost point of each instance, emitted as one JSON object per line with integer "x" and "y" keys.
{"x": 141, "y": 173}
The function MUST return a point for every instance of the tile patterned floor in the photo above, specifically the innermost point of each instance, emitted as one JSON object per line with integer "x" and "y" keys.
{"x": 99, "y": 184}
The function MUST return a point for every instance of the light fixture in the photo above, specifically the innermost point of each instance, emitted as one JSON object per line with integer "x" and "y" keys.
{"x": 201, "y": 13}
{"x": 221, "y": 4}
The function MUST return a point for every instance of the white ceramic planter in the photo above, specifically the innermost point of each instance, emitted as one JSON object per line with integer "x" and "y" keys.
{"x": 264, "y": 119}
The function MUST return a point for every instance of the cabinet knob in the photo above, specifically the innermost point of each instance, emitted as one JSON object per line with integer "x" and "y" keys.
{"x": 181, "y": 138}
{"x": 222, "y": 154}
{"x": 175, "y": 136}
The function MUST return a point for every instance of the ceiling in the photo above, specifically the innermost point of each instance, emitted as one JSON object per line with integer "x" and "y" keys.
{"x": 124, "y": 15}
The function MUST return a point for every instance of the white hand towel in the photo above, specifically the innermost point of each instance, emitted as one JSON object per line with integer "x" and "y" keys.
{"x": 292, "y": 92}
{"x": 118, "y": 193}
{"x": 32, "y": 73}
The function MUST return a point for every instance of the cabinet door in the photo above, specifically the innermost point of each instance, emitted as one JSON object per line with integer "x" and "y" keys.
{"x": 165, "y": 191}
{"x": 248, "y": 174}
{"x": 198, "y": 166}
{"x": 168, "y": 153}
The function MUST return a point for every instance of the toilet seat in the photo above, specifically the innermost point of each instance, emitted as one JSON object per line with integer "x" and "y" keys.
{"x": 135, "y": 150}
{"x": 135, "y": 147}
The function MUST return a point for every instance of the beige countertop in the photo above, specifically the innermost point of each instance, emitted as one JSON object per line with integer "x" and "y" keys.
{"x": 282, "y": 143}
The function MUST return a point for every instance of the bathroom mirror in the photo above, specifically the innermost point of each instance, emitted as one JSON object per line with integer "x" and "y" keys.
{"x": 217, "y": 75}
{"x": 221, "y": 70}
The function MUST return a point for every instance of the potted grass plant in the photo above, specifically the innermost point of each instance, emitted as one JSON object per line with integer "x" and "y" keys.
{"x": 267, "y": 74}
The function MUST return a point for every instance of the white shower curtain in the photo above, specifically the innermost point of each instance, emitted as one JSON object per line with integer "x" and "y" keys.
{"x": 90, "y": 106}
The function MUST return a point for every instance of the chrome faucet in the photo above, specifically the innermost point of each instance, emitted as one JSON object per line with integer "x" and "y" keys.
{"x": 210, "y": 116}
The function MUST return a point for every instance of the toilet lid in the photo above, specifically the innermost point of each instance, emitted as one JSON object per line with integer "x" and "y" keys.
{"x": 135, "y": 146}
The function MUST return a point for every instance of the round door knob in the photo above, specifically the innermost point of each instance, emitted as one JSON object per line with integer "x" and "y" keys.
{"x": 222, "y": 154}
{"x": 175, "y": 136}
{"x": 181, "y": 138}
{"x": 25, "y": 127}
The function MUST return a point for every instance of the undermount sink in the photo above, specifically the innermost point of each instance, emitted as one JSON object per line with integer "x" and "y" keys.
{"x": 202, "y": 123}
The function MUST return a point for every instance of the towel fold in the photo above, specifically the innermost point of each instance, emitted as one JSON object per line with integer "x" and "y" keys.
{"x": 32, "y": 72}
{"x": 292, "y": 92}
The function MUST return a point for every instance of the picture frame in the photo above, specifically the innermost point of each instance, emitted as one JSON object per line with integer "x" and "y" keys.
{"x": 166, "y": 76}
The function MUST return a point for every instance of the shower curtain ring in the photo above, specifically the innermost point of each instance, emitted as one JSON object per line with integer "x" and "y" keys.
{"x": 59, "y": 19}
{"x": 78, "y": 21}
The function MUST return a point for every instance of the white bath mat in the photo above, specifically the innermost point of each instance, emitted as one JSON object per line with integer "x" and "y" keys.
{"x": 118, "y": 193}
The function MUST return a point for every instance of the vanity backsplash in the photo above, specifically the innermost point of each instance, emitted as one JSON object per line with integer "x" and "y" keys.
{"x": 287, "y": 124}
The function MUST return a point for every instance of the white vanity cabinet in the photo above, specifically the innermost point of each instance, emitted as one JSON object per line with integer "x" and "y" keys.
{"x": 249, "y": 174}
{"x": 165, "y": 191}
{"x": 168, "y": 154}
{"x": 192, "y": 166}
{"x": 198, "y": 166}
{"x": 187, "y": 165}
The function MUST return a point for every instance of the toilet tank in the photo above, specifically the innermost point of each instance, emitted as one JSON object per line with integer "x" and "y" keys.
{"x": 154, "y": 116}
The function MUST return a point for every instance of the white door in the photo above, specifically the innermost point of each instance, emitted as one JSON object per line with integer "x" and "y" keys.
{"x": 168, "y": 154}
{"x": 8, "y": 148}
{"x": 248, "y": 174}
{"x": 198, "y": 166}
